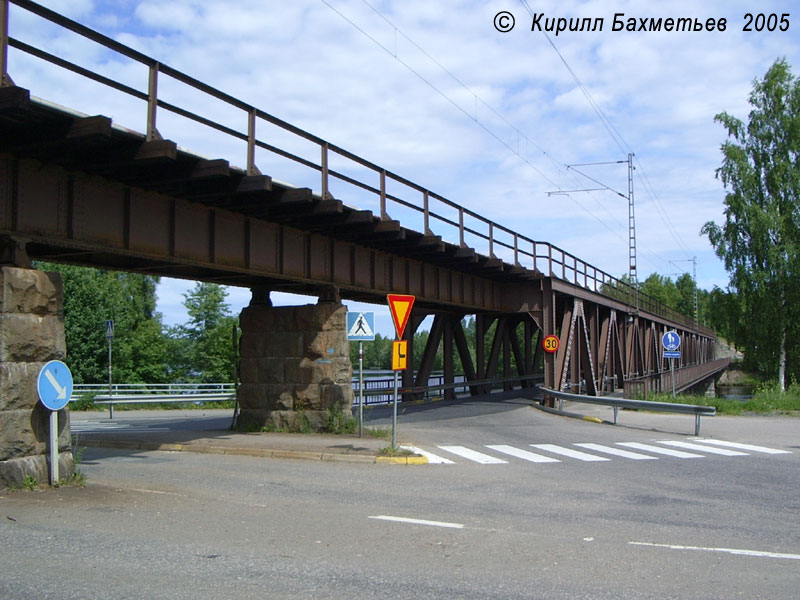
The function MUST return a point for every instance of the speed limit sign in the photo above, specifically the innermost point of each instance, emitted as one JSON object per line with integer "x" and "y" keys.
{"x": 550, "y": 343}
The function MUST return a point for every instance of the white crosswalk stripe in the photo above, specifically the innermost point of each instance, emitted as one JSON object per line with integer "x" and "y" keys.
{"x": 650, "y": 451}
{"x": 699, "y": 448}
{"x": 523, "y": 454}
{"x": 570, "y": 453}
{"x": 473, "y": 455}
{"x": 617, "y": 452}
{"x": 750, "y": 447}
{"x": 433, "y": 459}
{"x": 657, "y": 450}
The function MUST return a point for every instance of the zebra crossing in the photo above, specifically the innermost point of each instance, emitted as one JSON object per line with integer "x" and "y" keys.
{"x": 500, "y": 454}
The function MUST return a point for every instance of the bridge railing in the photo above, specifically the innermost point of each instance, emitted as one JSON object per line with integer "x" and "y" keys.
{"x": 435, "y": 211}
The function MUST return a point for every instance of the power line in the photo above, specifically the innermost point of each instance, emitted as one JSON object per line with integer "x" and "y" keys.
{"x": 520, "y": 135}
{"x": 617, "y": 137}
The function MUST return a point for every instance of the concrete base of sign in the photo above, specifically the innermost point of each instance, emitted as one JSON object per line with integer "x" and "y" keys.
{"x": 31, "y": 333}
{"x": 295, "y": 369}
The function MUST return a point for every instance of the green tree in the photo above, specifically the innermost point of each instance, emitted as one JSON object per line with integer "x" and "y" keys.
{"x": 758, "y": 241}
{"x": 92, "y": 296}
{"x": 203, "y": 347}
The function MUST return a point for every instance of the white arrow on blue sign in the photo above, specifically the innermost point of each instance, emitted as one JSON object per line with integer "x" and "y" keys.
{"x": 671, "y": 341}
{"x": 54, "y": 385}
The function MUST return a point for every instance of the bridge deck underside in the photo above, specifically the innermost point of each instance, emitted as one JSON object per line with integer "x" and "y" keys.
{"x": 78, "y": 189}
{"x": 143, "y": 205}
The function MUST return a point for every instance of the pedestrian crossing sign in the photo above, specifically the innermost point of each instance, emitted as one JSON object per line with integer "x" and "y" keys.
{"x": 360, "y": 326}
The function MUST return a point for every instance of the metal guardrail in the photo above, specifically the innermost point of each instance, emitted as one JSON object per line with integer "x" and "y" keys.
{"x": 471, "y": 228}
{"x": 693, "y": 409}
{"x": 153, "y": 393}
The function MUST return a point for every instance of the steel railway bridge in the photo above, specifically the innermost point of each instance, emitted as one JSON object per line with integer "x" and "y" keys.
{"x": 81, "y": 189}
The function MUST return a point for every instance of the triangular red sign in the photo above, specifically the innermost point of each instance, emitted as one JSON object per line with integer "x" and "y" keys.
{"x": 400, "y": 307}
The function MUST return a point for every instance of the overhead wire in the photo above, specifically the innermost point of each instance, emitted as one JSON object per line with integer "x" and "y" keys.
{"x": 482, "y": 125}
{"x": 617, "y": 137}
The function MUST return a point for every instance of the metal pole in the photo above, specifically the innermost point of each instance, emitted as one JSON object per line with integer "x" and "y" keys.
{"x": 4, "y": 78}
{"x": 672, "y": 372}
{"x": 53, "y": 447}
{"x": 394, "y": 414}
{"x": 360, "y": 389}
{"x": 110, "y": 391}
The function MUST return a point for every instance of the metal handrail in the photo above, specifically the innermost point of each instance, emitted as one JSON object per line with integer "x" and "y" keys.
{"x": 542, "y": 257}
{"x": 697, "y": 410}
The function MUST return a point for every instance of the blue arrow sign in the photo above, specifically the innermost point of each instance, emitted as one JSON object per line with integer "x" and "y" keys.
{"x": 54, "y": 385}
{"x": 671, "y": 341}
{"x": 361, "y": 326}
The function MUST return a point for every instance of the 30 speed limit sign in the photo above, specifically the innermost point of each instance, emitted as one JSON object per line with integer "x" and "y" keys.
{"x": 550, "y": 343}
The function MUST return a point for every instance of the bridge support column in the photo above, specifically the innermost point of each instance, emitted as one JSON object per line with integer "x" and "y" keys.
{"x": 295, "y": 365}
{"x": 31, "y": 333}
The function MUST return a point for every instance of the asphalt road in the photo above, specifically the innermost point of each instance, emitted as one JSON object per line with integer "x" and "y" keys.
{"x": 181, "y": 525}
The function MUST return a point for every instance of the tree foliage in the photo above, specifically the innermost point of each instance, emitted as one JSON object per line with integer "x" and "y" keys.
{"x": 92, "y": 296}
{"x": 203, "y": 347}
{"x": 759, "y": 239}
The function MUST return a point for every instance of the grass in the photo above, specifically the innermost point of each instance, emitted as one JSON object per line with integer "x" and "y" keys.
{"x": 389, "y": 451}
{"x": 381, "y": 433}
{"x": 768, "y": 399}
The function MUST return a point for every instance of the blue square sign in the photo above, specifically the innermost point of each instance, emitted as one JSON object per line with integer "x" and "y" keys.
{"x": 360, "y": 326}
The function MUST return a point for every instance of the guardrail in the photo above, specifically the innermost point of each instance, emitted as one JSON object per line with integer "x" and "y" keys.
{"x": 153, "y": 393}
{"x": 112, "y": 401}
{"x": 694, "y": 409}
{"x": 453, "y": 222}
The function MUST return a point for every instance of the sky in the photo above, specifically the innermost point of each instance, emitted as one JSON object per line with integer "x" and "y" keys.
{"x": 433, "y": 91}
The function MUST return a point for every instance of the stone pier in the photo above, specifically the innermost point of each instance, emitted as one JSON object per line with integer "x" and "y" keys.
{"x": 295, "y": 369}
{"x": 31, "y": 333}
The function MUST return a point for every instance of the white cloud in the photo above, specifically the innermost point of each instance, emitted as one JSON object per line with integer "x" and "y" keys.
{"x": 302, "y": 62}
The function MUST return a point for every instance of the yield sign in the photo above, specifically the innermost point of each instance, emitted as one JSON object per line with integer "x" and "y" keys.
{"x": 400, "y": 307}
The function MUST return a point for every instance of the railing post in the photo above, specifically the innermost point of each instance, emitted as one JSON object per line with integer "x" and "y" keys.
{"x": 5, "y": 80}
{"x": 426, "y": 213}
{"x": 461, "y": 227}
{"x": 516, "y": 249}
{"x": 491, "y": 239}
{"x": 384, "y": 214}
{"x": 324, "y": 150}
{"x": 251, "y": 143}
{"x": 152, "y": 103}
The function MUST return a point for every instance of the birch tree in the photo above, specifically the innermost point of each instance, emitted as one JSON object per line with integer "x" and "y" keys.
{"x": 758, "y": 241}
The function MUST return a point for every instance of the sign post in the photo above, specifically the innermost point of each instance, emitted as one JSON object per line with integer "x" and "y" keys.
{"x": 671, "y": 341}
{"x": 400, "y": 307}
{"x": 109, "y": 337}
{"x": 54, "y": 386}
{"x": 361, "y": 328}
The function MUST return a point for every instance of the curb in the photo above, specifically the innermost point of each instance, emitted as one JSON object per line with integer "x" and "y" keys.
{"x": 402, "y": 460}
{"x": 571, "y": 415}
{"x": 261, "y": 452}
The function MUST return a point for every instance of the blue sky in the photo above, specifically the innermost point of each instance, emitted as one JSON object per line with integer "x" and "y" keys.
{"x": 433, "y": 92}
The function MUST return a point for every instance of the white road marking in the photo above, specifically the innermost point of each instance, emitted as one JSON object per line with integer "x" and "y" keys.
{"x": 433, "y": 459}
{"x": 473, "y": 455}
{"x": 419, "y": 522}
{"x": 570, "y": 453}
{"x": 750, "y": 447}
{"x": 657, "y": 450}
{"x": 617, "y": 452}
{"x": 523, "y": 454}
{"x": 698, "y": 447}
{"x": 753, "y": 553}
